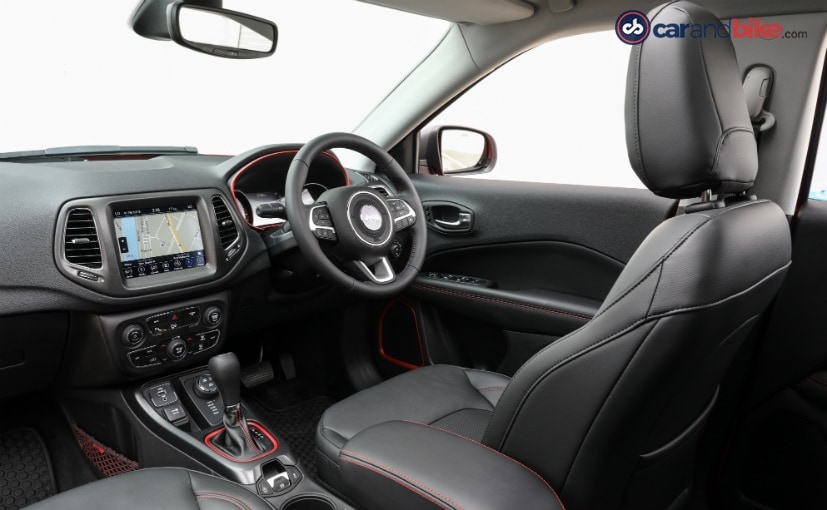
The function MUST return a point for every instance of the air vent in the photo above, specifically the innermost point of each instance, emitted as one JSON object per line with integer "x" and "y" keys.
{"x": 227, "y": 230}
{"x": 81, "y": 246}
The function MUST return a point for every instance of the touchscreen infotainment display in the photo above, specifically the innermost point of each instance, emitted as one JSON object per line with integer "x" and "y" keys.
{"x": 159, "y": 240}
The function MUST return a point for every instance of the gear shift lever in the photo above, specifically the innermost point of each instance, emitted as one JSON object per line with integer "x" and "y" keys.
{"x": 237, "y": 439}
{"x": 226, "y": 372}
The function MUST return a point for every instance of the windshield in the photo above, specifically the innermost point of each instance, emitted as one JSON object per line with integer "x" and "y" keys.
{"x": 75, "y": 73}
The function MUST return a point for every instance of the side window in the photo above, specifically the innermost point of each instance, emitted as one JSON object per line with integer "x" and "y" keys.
{"x": 555, "y": 113}
{"x": 818, "y": 185}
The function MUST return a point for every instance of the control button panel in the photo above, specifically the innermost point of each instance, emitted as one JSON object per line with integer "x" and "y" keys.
{"x": 455, "y": 278}
{"x": 143, "y": 341}
{"x": 175, "y": 414}
{"x": 277, "y": 478}
{"x": 166, "y": 322}
{"x": 176, "y": 349}
{"x": 165, "y": 401}
{"x": 162, "y": 394}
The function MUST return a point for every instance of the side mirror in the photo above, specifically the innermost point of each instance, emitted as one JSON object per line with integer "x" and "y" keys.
{"x": 457, "y": 150}
{"x": 221, "y": 32}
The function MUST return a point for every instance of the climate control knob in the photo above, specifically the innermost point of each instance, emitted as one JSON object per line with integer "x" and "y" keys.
{"x": 177, "y": 349}
{"x": 213, "y": 316}
{"x": 132, "y": 335}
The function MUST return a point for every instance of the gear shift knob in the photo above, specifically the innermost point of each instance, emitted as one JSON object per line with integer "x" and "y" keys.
{"x": 226, "y": 372}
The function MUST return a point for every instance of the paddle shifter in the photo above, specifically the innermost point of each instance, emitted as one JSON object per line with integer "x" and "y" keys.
{"x": 237, "y": 440}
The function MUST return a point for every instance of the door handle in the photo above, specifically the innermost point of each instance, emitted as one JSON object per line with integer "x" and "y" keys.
{"x": 463, "y": 221}
{"x": 448, "y": 217}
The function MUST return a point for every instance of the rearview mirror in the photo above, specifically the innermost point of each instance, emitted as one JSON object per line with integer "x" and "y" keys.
{"x": 221, "y": 32}
{"x": 457, "y": 150}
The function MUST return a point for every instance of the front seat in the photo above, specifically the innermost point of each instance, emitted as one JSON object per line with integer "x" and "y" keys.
{"x": 610, "y": 414}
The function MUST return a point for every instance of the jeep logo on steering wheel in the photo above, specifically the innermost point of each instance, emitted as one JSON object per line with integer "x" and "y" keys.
{"x": 370, "y": 217}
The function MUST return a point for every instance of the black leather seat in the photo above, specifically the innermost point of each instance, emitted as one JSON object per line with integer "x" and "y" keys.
{"x": 157, "y": 489}
{"x": 610, "y": 414}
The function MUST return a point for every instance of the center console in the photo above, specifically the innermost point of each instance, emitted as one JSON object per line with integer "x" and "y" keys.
{"x": 200, "y": 413}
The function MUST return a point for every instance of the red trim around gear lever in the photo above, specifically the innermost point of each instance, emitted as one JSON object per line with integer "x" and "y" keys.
{"x": 252, "y": 424}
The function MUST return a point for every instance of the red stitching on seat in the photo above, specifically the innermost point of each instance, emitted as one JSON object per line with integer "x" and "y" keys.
{"x": 223, "y": 497}
{"x": 817, "y": 382}
{"x": 501, "y": 454}
{"x": 418, "y": 485}
{"x": 538, "y": 308}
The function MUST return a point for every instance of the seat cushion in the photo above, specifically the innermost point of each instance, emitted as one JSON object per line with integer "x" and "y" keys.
{"x": 156, "y": 488}
{"x": 457, "y": 399}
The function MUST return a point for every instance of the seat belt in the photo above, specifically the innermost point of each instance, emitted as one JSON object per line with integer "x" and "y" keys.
{"x": 758, "y": 89}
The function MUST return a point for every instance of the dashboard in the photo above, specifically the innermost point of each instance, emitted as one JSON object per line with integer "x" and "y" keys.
{"x": 115, "y": 269}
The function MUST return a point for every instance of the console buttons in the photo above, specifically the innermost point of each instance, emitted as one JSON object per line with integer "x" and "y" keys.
{"x": 264, "y": 489}
{"x": 205, "y": 387}
{"x": 190, "y": 315}
{"x": 279, "y": 483}
{"x": 211, "y": 338}
{"x": 158, "y": 324}
{"x": 138, "y": 359}
{"x": 294, "y": 474}
{"x": 177, "y": 349}
{"x": 162, "y": 395}
{"x": 175, "y": 414}
{"x": 144, "y": 357}
{"x": 132, "y": 335}
{"x": 213, "y": 316}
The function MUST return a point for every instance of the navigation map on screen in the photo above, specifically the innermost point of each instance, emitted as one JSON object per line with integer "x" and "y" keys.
{"x": 159, "y": 240}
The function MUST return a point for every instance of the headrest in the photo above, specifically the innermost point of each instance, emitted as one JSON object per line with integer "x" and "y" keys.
{"x": 687, "y": 126}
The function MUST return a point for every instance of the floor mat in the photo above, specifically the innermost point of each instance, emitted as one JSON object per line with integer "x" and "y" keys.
{"x": 25, "y": 470}
{"x": 296, "y": 425}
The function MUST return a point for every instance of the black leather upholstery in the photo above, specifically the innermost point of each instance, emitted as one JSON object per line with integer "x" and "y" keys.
{"x": 457, "y": 399}
{"x": 610, "y": 414}
{"x": 687, "y": 126}
{"x": 419, "y": 466}
{"x": 157, "y": 489}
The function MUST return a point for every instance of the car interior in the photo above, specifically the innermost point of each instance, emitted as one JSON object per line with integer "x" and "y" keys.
{"x": 386, "y": 318}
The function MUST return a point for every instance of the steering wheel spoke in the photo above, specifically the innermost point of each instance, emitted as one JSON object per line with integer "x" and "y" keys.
{"x": 402, "y": 212}
{"x": 321, "y": 224}
{"x": 380, "y": 272}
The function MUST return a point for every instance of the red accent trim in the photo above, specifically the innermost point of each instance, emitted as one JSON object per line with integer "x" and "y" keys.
{"x": 253, "y": 424}
{"x": 246, "y": 167}
{"x": 390, "y": 358}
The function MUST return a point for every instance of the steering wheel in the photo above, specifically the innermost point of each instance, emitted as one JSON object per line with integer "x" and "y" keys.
{"x": 356, "y": 224}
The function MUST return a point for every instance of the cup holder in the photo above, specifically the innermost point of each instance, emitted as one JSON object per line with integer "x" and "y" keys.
{"x": 309, "y": 502}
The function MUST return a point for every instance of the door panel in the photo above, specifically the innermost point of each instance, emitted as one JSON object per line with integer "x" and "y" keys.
{"x": 535, "y": 264}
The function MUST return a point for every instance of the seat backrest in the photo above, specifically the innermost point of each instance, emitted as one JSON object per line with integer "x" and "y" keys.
{"x": 611, "y": 413}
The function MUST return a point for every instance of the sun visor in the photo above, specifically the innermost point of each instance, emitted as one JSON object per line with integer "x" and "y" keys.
{"x": 481, "y": 12}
